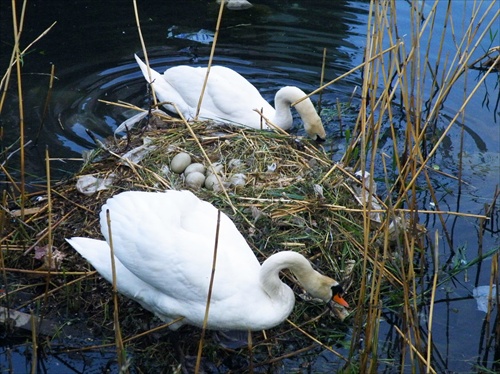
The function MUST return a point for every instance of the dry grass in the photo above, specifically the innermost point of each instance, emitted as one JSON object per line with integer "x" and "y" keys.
{"x": 294, "y": 198}
{"x": 292, "y": 215}
{"x": 404, "y": 70}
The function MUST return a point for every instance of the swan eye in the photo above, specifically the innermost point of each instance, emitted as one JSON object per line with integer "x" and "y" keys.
{"x": 337, "y": 290}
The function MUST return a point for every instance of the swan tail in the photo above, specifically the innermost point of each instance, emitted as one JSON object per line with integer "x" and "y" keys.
{"x": 96, "y": 252}
{"x": 150, "y": 74}
{"x": 164, "y": 90}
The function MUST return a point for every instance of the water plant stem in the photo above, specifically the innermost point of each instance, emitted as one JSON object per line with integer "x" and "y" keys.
{"x": 17, "y": 34}
{"x": 209, "y": 296}
{"x": 120, "y": 349}
{"x": 431, "y": 303}
{"x": 211, "y": 57}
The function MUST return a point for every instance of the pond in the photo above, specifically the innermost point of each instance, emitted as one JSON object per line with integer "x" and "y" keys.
{"x": 274, "y": 43}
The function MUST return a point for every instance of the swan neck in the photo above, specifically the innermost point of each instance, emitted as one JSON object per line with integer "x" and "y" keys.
{"x": 309, "y": 278}
{"x": 282, "y": 101}
{"x": 283, "y": 116}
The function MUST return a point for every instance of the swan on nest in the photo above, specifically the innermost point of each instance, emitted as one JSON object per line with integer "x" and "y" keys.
{"x": 230, "y": 98}
{"x": 163, "y": 244}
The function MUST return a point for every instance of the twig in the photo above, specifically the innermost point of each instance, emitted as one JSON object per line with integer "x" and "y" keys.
{"x": 317, "y": 341}
{"x": 209, "y": 296}
{"x": 146, "y": 59}
{"x": 412, "y": 347}
{"x": 120, "y": 350}
{"x": 210, "y": 59}
{"x": 346, "y": 74}
{"x": 433, "y": 296}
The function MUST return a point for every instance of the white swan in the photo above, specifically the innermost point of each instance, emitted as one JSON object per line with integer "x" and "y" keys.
{"x": 230, "y": 98}
{"x": 163, "y": 245}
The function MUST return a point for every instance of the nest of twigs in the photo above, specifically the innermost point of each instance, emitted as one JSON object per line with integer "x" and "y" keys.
{"x": 293, "y": 198}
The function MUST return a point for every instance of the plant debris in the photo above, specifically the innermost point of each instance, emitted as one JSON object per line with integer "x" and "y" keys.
{"x": 282, "y": 193}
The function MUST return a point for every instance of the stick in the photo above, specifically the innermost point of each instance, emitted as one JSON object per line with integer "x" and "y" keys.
{"x": 120, "y": 351}
{"x": 212, "y": 51}
{"x": 209, "y": 296}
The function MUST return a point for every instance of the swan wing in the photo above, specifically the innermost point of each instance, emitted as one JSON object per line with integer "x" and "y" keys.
{"x": 228, "y": 97}
{"x": 97, "y": 252}
{"x": 167, "y": 240}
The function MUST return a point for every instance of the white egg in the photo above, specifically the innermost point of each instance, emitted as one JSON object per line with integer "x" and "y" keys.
{"x": 212, "y": 183}
{"x": 195, "y": 180}
{"x": 196, "y": 166}
{"x": 180, "y": 162}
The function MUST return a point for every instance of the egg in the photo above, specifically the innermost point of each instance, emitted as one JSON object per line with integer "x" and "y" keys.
{"x": 195, "y": 180}
{"x": 180, "y": 162}
{"x": 212, "y": 183}
{"x": 195, "y": 167}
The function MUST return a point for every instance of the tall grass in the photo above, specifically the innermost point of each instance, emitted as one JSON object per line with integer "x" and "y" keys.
{"x": 415, "y": 79}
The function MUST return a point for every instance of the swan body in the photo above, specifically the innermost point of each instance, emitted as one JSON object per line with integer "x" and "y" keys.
{"x": 230, "y": 98}
{"x": 163, "y": 245}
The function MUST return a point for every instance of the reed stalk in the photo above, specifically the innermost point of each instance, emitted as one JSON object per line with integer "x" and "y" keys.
{"x": 210, "y": 58}
{"x": 431, "y": 303}
{"x": 120, "y": 348}
{"x": 321, "y": 80}
{"x": 18, "y": 27}
{"x": 3, "y": 218}
{"x": 47, "y": 102}
{"x": 395, "y": 70}
{"x": 49, "y": 225}
{"x": 34, "y": 344}
{"x": 250, "y": 352}
{"x": 4, "y": 82}
{"x": 144, "y": 51}
{"x": 209, "y": 296}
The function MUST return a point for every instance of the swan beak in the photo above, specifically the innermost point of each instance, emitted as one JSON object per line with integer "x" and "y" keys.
{"x": 319, "y": 139}
{"x": 340, "y": 300}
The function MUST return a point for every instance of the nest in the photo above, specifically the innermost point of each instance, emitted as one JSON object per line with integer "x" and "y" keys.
{"x": 293, "y": 198}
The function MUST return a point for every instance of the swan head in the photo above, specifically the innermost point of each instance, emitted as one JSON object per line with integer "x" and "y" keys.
{"x": 326, "y": 289}
{"x": 316, "y": 284}
{"x": 312, "y": 121}
{"x": 337, "y": 295}
{"x": 314, "y": 128}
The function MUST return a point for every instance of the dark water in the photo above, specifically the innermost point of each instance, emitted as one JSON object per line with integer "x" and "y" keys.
{"x": 273, "y": 44}
{"x": 93, "y": 58}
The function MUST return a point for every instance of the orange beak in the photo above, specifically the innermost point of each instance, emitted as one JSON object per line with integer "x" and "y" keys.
{"x": 340, "y": 300}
